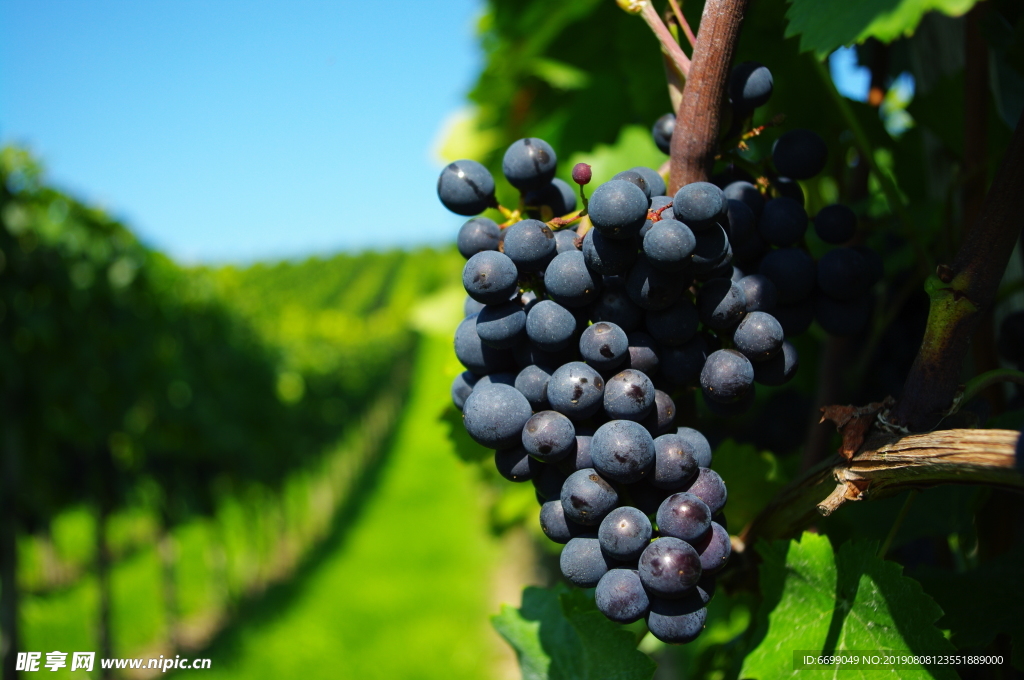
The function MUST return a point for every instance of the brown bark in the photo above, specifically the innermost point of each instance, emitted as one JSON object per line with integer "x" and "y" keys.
{"x": 698, "y": 120}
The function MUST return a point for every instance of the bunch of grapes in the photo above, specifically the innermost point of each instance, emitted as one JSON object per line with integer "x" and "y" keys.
{"x": 581, "y": 325}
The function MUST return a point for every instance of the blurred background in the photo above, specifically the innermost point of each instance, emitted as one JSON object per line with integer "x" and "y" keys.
{"x": 227, "y": 295}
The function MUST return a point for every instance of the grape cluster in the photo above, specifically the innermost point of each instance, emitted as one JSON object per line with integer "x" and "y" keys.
{"x": 766, "y": 229}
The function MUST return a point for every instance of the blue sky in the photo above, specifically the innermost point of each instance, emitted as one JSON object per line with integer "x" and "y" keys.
{"x": 227, "y": 131}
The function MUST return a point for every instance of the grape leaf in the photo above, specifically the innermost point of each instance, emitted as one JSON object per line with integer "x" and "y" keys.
{"x": 558, "y": 634}
{"x": 752, "y": 477}
{"x": 815, "y": 599}
{"x": 824, "y": 25}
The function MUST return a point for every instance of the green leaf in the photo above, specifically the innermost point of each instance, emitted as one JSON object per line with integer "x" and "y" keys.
{"x": 824, "y": 25}
{"x": 558, "y": 634}
{"x": 753, "y": 478}
{"x": 815, "y": 599}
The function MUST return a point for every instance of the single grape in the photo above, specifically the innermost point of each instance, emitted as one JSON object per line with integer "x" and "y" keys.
{"x": 793, "y": 273}
{"x": 782, "y": 223}
{"x": 479, "y": 358}
{"x": 741, "y": 223}
{"x": 565, "y": 239}
{"x": 582, "y": 174}
{"x": 674, "y": 462}
{"x": 712, "y": 249}
{"x": 669, "y": 567}
{"x": 501, "y": 326}
{"x": 653, "y": 179}
{"x": 462, "y": 386}
{"x": 750, "y": 85}
{"x": 548, "y": 436}
{"x": 490, "y": 277}
{"x": 550, "y": 326}
{"x": 629, "y": 395}
{"x": 586, "y": 497}
{"x": 684, "y": 516}
{"x": 790, "y": 189}
{"x": 471, "y": 307}
{"x": 661, "y": 417}
{"x": 709, "y": 487}
{"x": 552, "y": 200}
{"x": 568, "y": 281}
{"x": 843, "y": 274}
{"x": 643, "y": 353}
{"x": 514, "y": 464}
{"x": 761, "y": 293}
{"x": 532, "y": 381}
{"x": 576, "y": 390}
{"x": 668, "y": 245}
{"x": 747, "y": 193}
{"x": 727, "y": 376}
{"x": 662, "y": 132}
{"x": 721, "y": 303}
{"x": 480, "y": 233}
{"x": 582, "y": 561}
{"x": 799, "y": 154}
{"x": 698, "y": 205}
{"x": 636, "y": 178}
{"x": 621, "y": 597}
{"x": 466, "y": 188}
{"x": 835, "y": 224}
{"x": 530, "y": 244}
{"x": 778, "y": 370}
{"x": 714, "y": 549}
{"x": 624, "y": 533}
{"x": 677, "y": 621}
{"x": 622, "y": 451}
{"x": 759, "y": 336}
{"x": 529, "y": 164}
{"x": 494, "y": 416}
{"x": 607, "y": 256}
{"x": 697, "y": 444}
{"x": 554, "y": 524}
{"x": 618, "y": 209}
{"x": 604, "y": 346}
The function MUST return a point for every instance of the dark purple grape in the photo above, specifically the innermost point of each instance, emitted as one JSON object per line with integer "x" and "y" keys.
{"x": 683, "y": 516}
{"x": 653, "y": 179}
{"x": 661, "y": 417}
{"x": 586, "y": 497}
{"x": 471, "y": 307}
{"x": 732, "y": 409}
{"x": 607, "y": 256}
{"x": 532, "y": 381}
{"x": 490, "y": 277}
{"x": 799, "y": 154}
{"x": 746, "y": 193}
{"x": 727, "y": 376}
{"x": 741, "y": 222}
{"x": 674, "y": 326}
{"x": 843, "y": 274}
{"x": 582, "y": 561}
{"x": 782, "y": 223}
{"x": 501, "y": 326}
{"x": 643, "y": 353}
{"x": 669, "y": 567}
{"x": 697, "y": 444}
{"x": 529, "y": 164}
{"x": 721, "y": 303}
{"x": 582, "y": 174}
{"x": 550, "y": 326}
{"x": 698, "y": 205}
{"x": 677, "y": 621}
{"x": 576, "y": 390}
{"x": 712, "y": 249}
{"x": 759, "y": 336}
{"x": 555, "y": 526}
{"x": 618, "y": 209}
{"x": 466, "y": 188}
{"x": 565, "y": 239}
{"x": 750, "y": 85}
{"x": 636, "y": 178}
{"x": 530, "y": 244}
{"x": 714, "y": 548}
{"x": 480, "y": 233}
{"x": 662, "y": 132}
{"x": 761, "y": 294}
{"x": 674, "y": 462}
{"x": 629, "y": 395}
{"x": 474, "y": 354}
{"x": 778, "y": 370}
{"x": 793, "y": 273}
{"x": 494, "y": 415}
{"x": 558, "y": 198}
{"x": 835, "y": 224}
{"x": 709, "y": 487}
{"x": 652, "y": 289}
{"x": 668, "y": 245}
{"x": 462, "y": 387}
{"x": 568, "y": 281}
{"x": 515, "y": 464}
{"x": 624, "y": 533}
{"x": 548, "y": 436}
{"x": 503, "y": 378}
{"x": 790, "y": 189}
{"x": 622, "y": 451}
{"x": 604, "y": 346}
{"x": 621, "y": 597}
{"x": 614, "y": 306}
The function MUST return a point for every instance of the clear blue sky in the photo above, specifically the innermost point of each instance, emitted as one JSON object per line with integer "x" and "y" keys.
{"x": 231, "y": 131}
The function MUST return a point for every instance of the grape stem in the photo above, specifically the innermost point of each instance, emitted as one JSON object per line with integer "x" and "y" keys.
{"x": 979, "y": 384}
{"x": 698, "y": 119}
{"x": 668, "y": 43}
{"x": 681, "y": 20}
{"x": 958, "y": 306}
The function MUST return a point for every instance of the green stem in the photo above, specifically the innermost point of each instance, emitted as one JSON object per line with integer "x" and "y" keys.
{"x": 980, "y": 383}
